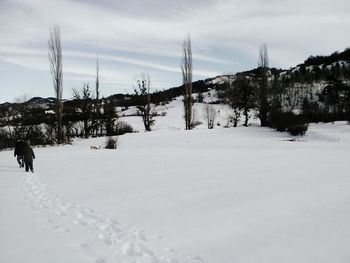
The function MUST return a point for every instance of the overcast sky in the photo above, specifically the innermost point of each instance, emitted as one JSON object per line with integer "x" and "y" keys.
{"x": 131, "y": 37}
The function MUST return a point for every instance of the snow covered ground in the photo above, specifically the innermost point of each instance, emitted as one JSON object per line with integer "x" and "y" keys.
{"x": 221, "y": 196}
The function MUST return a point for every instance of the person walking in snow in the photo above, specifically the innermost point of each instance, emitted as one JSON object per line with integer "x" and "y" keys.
{"x": 28, "y": 155}
{"x": 19, "y": 148}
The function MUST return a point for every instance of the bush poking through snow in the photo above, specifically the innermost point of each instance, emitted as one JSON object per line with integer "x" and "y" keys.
{"x": 210, "y": 116}
{"x": 298, "y": 130}
{"x": 234, "y": 118}
{"x": 111, "y": 143}
{"x": 200, "y": 97}
{"x": 296, "y": 125}
{"x": 196, "y": 123}
{"x": 123, "y": 127}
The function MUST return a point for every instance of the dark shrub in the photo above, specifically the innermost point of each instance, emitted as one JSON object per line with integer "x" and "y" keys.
{"x": 279, "y": 120}
{"x": 298, "y": 130}
{"x": 123, "y": 127}
{"x": 200, "y": 98}
{"x": 196, "y": 123}
{"x": 288, "y": 121}
{"x": 111, "y": 143}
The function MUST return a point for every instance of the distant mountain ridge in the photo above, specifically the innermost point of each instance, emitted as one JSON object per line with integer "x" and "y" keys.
{"x": 327, "y": 60}
{"x": 312, "y": 65}
{"x": 33, "y": 103}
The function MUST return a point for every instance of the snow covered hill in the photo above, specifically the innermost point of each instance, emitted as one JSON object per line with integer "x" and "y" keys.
{"x": 245, "y": 194}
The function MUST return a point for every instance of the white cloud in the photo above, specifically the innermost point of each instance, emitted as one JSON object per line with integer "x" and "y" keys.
{"x": 133, "y": 36}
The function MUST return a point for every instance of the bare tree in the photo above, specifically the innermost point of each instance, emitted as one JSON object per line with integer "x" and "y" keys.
{"x": 144, "y": 105}
{"x": 263, "y": 85}
{"x": 21, "y": 99}
{"x": 241, "y": 94}
{"x": 22, "y": 116}
{"x": 109, "y": 118}
{"x": 84, "y": 101}
{"x": 233, "y": 97}
{"x": 97, "y": 80}
{"x": 210, "y": 116}
{"x": 263, "y": 60}
{"x": 97, "y": 100}
{"x": 186, "y": 68}
{"x": 55, "y": 59}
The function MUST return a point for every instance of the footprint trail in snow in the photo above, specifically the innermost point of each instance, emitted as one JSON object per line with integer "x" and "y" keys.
{"x": 128, "y": 243}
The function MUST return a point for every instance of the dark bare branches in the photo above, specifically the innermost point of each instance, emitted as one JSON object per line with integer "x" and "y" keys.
{"x": 144, "y": 106}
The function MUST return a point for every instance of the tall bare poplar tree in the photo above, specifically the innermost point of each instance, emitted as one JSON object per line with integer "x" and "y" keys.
{"x": 55, "y": 59}
{"x": 97, "y": 80}
{"x": 186, "y": 68}
{"x": 97, "y": 102}
{"x": 263, "y": 85}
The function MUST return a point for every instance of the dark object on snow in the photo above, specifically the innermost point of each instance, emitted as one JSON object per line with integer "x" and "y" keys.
{"x": 294, "y": 124}
{"x": 28, "y": 155}
{"x": 111, "y": 143}
{"x": 19, "y": 148}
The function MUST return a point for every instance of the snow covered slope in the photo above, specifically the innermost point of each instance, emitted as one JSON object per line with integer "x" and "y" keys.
{"x": 221, "y": 196}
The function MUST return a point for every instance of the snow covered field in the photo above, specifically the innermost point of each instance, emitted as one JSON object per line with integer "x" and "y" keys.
{"x": 221, "y": 196}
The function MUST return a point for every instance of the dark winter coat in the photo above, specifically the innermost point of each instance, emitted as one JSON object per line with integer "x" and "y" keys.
{"x": 19, "y": 147}
{"x": 28, "y": 154}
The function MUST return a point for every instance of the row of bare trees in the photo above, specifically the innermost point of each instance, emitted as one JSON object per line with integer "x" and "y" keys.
{"x": 94, "y": 123}
{"x": 240, "y": 93}
{"x": 142, "y": 89}
{"x": 263, "y": 92}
